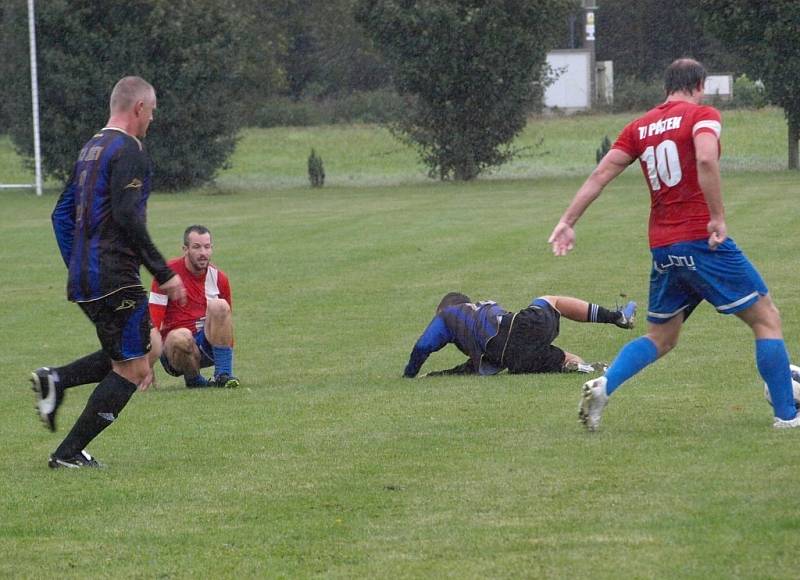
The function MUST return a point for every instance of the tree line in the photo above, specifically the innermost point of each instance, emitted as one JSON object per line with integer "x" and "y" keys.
{"x": 467, "y": 71}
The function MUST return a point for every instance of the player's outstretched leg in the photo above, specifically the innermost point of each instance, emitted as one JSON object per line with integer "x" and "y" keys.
{"x": 49, "y": 383}
{"x": 102, "y": 409}
{"x": 582, "y": 311}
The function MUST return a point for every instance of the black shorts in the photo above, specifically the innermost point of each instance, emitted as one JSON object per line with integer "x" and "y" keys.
{"x": 122, "y": 321}
{"x": 529, "y": 348}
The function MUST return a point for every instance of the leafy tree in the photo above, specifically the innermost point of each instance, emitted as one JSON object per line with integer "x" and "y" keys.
{"x": 469, "y": 65}
{"x": 766, "y": 34}
{"x": 328, "y": 54}
{"x": 190, "y": 50}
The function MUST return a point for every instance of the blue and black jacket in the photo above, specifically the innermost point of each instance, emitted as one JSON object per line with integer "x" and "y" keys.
{"x": 100, "y": 218}
{"x": 470, "y": 327}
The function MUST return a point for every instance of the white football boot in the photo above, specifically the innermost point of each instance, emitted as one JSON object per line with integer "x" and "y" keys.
{"x": 593, "y": 400}
{"x": 790, "y": 424}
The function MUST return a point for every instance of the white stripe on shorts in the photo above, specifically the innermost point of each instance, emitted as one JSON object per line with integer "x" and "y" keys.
{"x": 739, "y": 302}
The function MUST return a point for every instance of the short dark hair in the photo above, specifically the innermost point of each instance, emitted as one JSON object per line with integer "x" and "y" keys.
{"x": 198, "y": 229}
{"x": 452, "y": 299}
{"x": 684, "y": 74}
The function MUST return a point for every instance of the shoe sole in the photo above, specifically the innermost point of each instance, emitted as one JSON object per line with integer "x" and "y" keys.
{"x": 47, "y": 418}
{"x": 583, "y": 408}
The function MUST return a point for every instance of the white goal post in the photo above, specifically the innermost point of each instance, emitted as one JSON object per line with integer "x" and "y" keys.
{"x": 37, "y": 151}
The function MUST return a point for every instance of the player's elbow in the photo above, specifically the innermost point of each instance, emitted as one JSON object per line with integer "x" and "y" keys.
{"x": 707, "y": 162}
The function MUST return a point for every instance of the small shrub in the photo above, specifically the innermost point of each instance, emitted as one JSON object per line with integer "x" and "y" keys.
{"x": 605, "y": 145}
{"x": 316, "y": 170}
{"x": 748, "y": 94}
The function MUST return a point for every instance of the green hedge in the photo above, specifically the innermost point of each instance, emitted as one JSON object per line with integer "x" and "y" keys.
{"x": 379, "y": 106}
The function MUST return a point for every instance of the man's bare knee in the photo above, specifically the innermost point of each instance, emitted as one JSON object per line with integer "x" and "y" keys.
{"x": 181, "y": 350}
{"x": 553, "y": 300}
{"x": 133, "y": 370}
{"x": 218, "y": 308}
{"x": 180, "y": 338}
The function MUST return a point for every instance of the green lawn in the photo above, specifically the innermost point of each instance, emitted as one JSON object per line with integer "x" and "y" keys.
{"x": 327, "y": 464}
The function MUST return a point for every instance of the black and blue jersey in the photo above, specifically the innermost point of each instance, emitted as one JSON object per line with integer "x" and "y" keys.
{"x": 493, "y": 339}
{"x": 100, "y": 218}
{"x": 468, "y": 326}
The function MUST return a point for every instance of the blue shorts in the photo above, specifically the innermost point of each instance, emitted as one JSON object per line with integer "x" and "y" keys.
{"x": 206, "y": 355}
{"x": 686, "y": 273}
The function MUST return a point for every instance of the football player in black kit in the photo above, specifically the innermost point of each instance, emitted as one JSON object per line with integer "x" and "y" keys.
{"x": 99, "y": 224}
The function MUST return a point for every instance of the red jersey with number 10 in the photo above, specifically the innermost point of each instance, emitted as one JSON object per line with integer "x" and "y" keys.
{"x": 663, "y": 141}
{"x": 168, "y": 315}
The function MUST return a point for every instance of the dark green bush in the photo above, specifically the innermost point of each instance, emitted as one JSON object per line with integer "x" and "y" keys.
{"x": 631, "y": 94}
{"x": 748, "y": 94}
{"x": 284, "y": 112}
{"x": 605, "y": 145}
{"x": 316, "y": 170}
{"x": 381, "y": 106}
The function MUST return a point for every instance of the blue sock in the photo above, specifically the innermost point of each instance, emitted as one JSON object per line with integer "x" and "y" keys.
{"x": 223, "y": 360}
{"x": 772, "y": 361}
{"x": 633, "y": 357}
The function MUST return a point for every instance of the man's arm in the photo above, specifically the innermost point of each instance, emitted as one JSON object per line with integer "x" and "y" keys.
{"x": 465, "y": 368}
{"x": 128, "y": 175}
{"x": 63, "y": 219}
{"x": 615, "y": 162}
{"x": 434, "y": 338}
{"x": 706, "y": 149}
{"x": 126, "y": 184}
{"x": 225, "y": 289}
{"x": 157, "y": 304}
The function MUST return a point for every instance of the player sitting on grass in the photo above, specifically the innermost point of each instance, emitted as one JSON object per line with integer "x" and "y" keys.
{"x": 495, "y": 339}
{"x": 189, "y": 344}
{"x": 197, "y": 334}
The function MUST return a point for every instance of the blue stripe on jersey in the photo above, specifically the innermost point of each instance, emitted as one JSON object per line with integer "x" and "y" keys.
{"x": 93, "y": 209}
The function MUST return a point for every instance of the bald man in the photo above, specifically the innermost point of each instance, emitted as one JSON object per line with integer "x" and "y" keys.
{"x": 99, "y": 224}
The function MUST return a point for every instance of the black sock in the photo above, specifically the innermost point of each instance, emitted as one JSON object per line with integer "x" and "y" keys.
{"x": 90, "y": 369}
{"x": 603, "y": 315}
{"x": 103, "y": 407}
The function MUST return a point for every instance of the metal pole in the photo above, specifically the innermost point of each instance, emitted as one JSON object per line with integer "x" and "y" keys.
{"x": 589, "y": 7}
{"x": 37, "y": 150}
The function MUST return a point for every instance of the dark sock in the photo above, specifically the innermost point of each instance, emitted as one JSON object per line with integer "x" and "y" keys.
{"x": 102, "y": 408}
{"x": 603, "y": 315}
{"x": 89, "y": 369}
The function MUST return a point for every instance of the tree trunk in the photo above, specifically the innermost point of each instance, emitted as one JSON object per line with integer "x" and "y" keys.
{"x": 794, "y": 137}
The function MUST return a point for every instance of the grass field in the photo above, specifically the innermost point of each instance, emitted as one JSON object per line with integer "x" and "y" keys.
{"x": 327, "y": 464}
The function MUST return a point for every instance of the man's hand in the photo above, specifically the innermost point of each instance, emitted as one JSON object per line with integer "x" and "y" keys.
{"x": 718, "y": 233}
{"x": 175, "y": 290}
{"x": 150, "y": 379}
{"x": 562, "y": 239}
